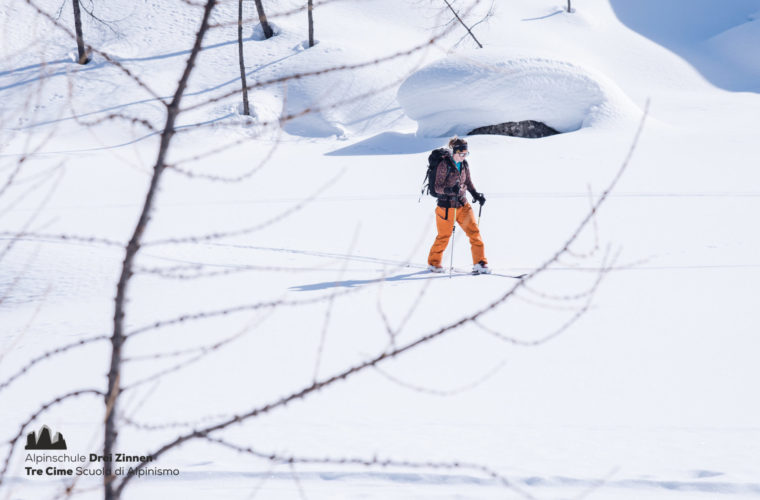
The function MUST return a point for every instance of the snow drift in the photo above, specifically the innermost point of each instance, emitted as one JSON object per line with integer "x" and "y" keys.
{"x": 738, "y": 46}
{"x": 460, "y": 93}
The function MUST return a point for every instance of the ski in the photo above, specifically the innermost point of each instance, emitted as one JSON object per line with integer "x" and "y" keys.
{"x": 464, "y": 272}
{"x": 513, "y": 276}
{"x": 458, "y": 271}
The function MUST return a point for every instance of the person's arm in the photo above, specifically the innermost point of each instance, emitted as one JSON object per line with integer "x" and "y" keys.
{"x": 479, "y": 197}
{"x": 468, "y": 183}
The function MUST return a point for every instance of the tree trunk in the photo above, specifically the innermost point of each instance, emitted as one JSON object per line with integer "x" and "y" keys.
{"x": 246, "y": 110}
{"x": 569, "y": 9}
{"x": 268, "y": 33}
{"x": 113, "y": 492}
{"x": 311, "y": 23}
{"x": 82, "y": 59}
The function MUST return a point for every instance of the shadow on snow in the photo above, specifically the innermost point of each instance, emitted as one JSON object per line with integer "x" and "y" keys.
{"x": 689, "y": 28}
{"x": 390, "y": 143}
{"x": 415, "y": 276}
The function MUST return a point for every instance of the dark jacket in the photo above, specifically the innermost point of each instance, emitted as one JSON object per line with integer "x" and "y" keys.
{"x": 446, "y": 177}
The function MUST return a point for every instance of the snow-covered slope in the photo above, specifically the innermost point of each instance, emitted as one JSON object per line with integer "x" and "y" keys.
{"x": 718, "y": 40}
{"x": 648, "y": 394}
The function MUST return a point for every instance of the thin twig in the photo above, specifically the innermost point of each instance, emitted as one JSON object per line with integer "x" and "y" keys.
{"x": 251, "y": 229}
{"x": 329, "y": 307}
{"x": 49, "y": 354}
{"x": 447, "y": 392}
{"x": 92, "y": 49}
{"x": 201, "y": 353}
{"x": 462, "y": 23}
{"x": 373, "y": 462}
{"x": 339, "y": 68}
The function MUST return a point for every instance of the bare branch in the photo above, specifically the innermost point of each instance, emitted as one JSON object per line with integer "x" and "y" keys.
{"x": 218, "y": 178}
{"x": 372, "y": 462}
{"x": 34, "y": 215}
{"x": 117, "y": 339}
{"x": 251, "y": 229}
{"x": 286, "y": 13}
{"x": 595, "y": 248}
{"x": 233, "y": 310}
{"x": 48, "y": 355}
{"x": 301, "y": 492}
{"x": 384, "y": 317}
{"x": 462, "y": 23}
{"x": 201, "y": 353}
{"x": 202, "y": 349}
{"x": 174, "y": 425}
{"x": 340, "y": 68}
{"x": 328, "y": 310}
{"x": 106, "y": 23}
{"x": 90, "y": 48}
{"x": 559, "y": 331}
{"x": 448, "y": 392}
{"x": 25, "y": 235}
{"x": 485, "y": 18}
{"x": 44, "y": 177}
{"x": 118, "y": 116}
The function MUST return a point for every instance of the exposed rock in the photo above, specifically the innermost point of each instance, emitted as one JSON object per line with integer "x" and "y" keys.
{"x": 528, "y": 128}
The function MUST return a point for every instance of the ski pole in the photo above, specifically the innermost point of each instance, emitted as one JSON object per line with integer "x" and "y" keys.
{"x": 480, "y": 210}
{"x": 453, "y": 233}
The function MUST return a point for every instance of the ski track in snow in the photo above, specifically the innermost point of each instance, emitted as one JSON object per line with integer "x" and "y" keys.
{"x": 316, "y": 480}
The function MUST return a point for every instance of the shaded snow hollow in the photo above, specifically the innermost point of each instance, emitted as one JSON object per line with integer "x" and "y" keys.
{"x": 460, "y": 93}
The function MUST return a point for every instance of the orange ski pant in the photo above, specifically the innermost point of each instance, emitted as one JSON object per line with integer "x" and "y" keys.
{"x": 466, "y": 219}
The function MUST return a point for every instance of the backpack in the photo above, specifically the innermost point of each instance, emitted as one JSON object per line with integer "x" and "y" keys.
{"x": 433, "y": 160}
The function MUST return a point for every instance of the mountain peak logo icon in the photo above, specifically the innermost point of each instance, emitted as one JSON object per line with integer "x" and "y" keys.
{"x": 43, "y": 441}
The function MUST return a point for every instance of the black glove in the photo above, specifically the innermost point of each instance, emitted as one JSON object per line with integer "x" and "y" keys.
{"x": 479, "y": 197}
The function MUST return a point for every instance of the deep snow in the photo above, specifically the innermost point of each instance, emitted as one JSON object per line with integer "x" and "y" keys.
{"x": 649, "y": 395}
{"x": 485, "y": 86}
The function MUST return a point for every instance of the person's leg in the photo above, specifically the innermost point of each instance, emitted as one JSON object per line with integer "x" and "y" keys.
{"x": 466, "y": 219}
{"x": 444, "y": 227}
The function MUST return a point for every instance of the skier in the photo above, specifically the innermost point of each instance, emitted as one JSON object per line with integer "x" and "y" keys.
{"x": 452, "y": 178}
